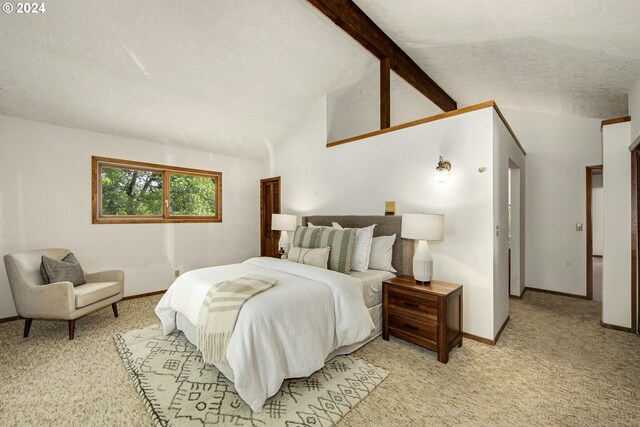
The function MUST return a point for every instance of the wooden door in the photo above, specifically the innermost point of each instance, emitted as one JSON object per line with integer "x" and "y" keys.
{"x": 269, "y": 204}
{"x": 635, "y": 235}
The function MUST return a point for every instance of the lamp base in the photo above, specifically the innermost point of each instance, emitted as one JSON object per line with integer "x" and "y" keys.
{"x": 283, "y": 244}
{"x": 423, "y": 282}
{"x": 422, "y": 263}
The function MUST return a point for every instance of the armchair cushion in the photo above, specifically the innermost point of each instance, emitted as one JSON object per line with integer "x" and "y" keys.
{"x": 89, "y": 293}
{"x": 66, "y": 270}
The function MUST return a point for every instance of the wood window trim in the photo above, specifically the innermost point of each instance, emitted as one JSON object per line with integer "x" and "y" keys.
{"x": 96, "y": 193}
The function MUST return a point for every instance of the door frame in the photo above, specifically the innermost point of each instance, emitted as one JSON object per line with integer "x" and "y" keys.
{"x": 516, "y": 252}
{"x": 589, "y": 228}
{"x": 635, "y": 212}
{"x": 279, "y": 207}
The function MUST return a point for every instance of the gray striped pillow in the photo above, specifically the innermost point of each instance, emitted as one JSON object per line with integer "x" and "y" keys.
{"x": 340, "y": 241}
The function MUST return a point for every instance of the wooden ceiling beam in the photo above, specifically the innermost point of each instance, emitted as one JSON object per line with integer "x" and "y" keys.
{"x": 348, "y": 16}
{"x": 385, "y": 93}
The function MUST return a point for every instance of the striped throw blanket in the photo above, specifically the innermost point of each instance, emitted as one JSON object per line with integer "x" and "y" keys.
{"x": 219, "y": 312}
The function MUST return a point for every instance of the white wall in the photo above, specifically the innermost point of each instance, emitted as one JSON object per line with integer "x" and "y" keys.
{"x": 357, "y": 178}
{"x": 559, "y": 147}
{"x": 634, "y": 110}
{"x": 45, "y": 201}
{"x": 506, "y": 154}
{"x": 407, "y": 103}
{"x": 355, "y": 109}
{"x": 616, "y": 281}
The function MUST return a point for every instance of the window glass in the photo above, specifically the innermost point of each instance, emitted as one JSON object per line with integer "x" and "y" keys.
{"x": 131, "y": 192}
{"x": 192, "y": 195}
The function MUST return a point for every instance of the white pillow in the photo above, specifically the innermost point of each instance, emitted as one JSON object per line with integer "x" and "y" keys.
{"x": 318, "y": 257}
{"x": 313, "y": 226}
{"x": 382, "y": 253}
{"x": 361, "y": 247}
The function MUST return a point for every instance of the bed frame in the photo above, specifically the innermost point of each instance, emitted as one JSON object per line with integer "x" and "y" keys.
{"x": 385, "y": 226}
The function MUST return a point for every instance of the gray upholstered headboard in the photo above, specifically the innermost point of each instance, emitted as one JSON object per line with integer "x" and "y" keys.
{"x": 386, "y": 226}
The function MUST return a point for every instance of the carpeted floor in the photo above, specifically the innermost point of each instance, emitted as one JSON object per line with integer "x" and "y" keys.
{"x": 553, "y": 365}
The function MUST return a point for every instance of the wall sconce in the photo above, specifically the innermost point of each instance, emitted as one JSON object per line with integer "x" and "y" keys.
{"x": 390, "y": 208}
{"x": 442, "y": 171}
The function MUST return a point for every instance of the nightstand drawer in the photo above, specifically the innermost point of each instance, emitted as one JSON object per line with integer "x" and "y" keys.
{"x": 414, "y": 327}
{"x": 421, "y": 306}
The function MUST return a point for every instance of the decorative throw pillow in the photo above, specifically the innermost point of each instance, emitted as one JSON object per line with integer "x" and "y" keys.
{"x": 361, "y": 247}
{"x": 382, "y": 253}
{"x": 66, "y": 270}
{"x": 340, "y": 241}
{"x": 318, "y": 257}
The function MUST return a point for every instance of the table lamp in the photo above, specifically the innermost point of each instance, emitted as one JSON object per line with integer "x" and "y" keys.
{"x": 283, "y": 223}
{"x": 423, "y": 227}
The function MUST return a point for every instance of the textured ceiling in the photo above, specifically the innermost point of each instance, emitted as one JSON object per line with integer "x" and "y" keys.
{"x": 576, "y": 57}
{"x": 234, "y": 76}
{"x": 225, "y": 76}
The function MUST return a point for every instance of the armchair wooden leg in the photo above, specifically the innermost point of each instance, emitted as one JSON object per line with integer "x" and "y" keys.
{"x": 72, "y": 328}
{"x": 115, "y": 309}
{"x": 27, "y": 327}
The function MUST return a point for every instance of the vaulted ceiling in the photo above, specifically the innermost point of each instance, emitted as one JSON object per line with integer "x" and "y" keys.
{"x": 577, "y": 57}
{"x": 228, "y": 76}
{"x": 234, "y": 76}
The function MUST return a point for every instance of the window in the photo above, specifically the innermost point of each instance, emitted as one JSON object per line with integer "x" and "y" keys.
{"x": 133, "y": 192}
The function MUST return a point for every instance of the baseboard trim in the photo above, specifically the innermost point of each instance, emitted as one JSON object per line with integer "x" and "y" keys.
{"x": 10, "y": 319}
{"x": 148, "y": 294}
{"x": 518, "y": 296}
{"x": 563, "y": 294}
{"x": 495, "y": 340}
{"x": 487, "y": 341}
{"x": 616, "y": 327}
{"x": 482, "y": 340}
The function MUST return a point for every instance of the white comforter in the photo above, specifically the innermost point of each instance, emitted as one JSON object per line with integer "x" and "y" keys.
{"x": 284, "y": 332}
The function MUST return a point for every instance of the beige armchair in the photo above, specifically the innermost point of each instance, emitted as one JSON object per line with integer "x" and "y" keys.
{"x": 58, "y": 301}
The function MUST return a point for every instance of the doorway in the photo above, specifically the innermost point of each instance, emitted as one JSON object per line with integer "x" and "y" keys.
{"x": 594, "y": 238}
{"x": 516, "y": 279}
{"x": 269, "y": 204}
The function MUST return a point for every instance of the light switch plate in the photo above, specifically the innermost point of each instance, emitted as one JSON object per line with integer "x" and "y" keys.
{"x": 578, "y": 227}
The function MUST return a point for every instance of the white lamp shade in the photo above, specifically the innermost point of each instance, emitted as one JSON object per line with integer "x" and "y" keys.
{"x": 423, "y": 226}
{"x": 283, "y": 222}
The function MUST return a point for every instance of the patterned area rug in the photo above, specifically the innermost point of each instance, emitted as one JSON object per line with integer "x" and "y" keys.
{"x": 178, "y": 389}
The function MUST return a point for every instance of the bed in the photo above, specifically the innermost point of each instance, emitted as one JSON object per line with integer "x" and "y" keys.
{"x": 292, "y": 329}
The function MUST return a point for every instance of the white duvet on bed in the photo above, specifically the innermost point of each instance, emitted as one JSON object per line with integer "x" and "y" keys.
{"x": 284, "y": 332}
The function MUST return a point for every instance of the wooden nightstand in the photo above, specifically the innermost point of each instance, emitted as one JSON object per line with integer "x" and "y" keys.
{"x": 427, "y": 315}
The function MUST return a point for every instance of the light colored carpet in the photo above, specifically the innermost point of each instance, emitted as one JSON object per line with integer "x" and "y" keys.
{"x": 178, "y": 389}
{"x": 553, "y": 365}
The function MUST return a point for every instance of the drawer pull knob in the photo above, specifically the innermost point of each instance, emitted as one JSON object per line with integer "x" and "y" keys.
{"x": 410, "y": 327}
{"x": 408, "y": 304}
